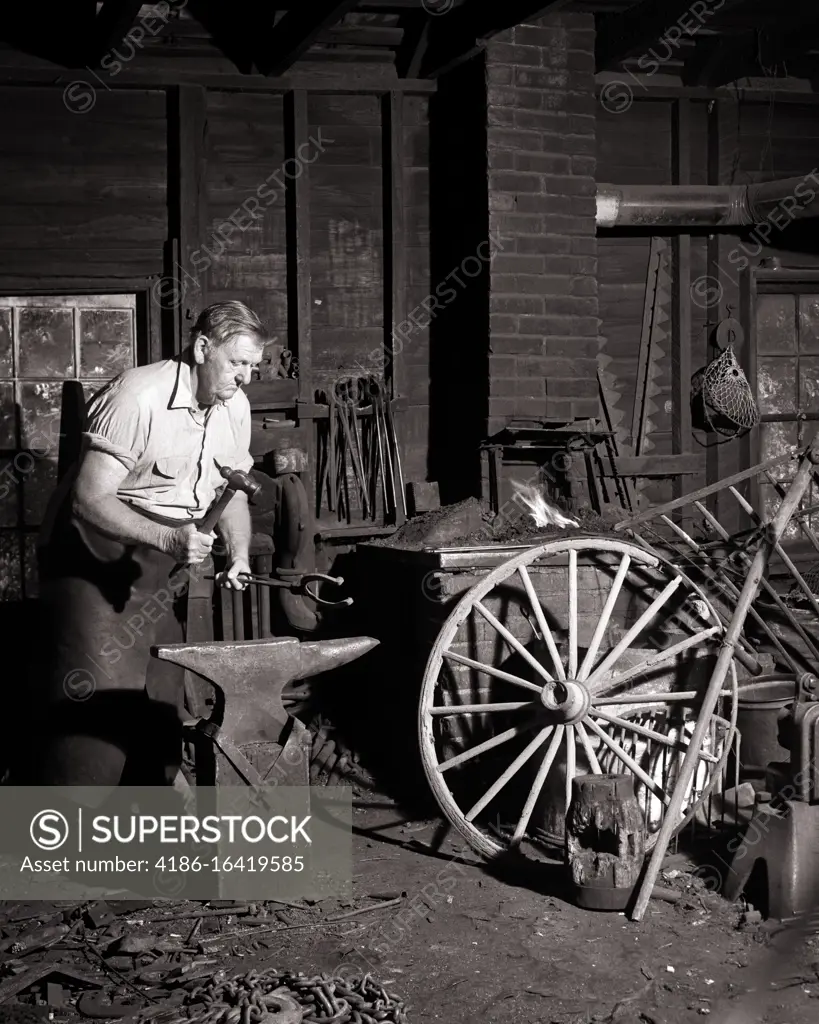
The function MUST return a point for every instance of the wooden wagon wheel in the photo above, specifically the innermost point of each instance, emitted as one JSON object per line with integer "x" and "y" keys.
{"x": 511, "y": 710}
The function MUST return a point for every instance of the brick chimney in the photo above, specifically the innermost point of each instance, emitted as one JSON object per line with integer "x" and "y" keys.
{"x": 541, "y": 167}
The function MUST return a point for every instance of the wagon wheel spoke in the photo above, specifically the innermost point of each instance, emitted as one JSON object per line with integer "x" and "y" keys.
{"x": 490, "y": 744}
{"x": 588, "y": 749}
{"x": 651, "y": 734}
{"x": 510, "y": 772}
{"x": 605, "y": 616}
{"x": 537, "y": 785}
{"x": 571, "y": 764}
{"x": 655, "y": 660}
{"x": 629, "y": 762}
{"x": 672, "y": 697}
{"x": 478, "y": 709}
{"x": 542, "y": 624}
{"x": 635, "y": 630}
{"x": 490, "y": 670}
{"x": 513, "y": 642}
{"x": 573, "y": 614}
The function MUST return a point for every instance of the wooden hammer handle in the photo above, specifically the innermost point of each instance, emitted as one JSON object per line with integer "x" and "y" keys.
{"x": 214, "y": 513}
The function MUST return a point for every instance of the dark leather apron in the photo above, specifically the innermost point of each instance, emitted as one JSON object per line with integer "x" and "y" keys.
{"x": 110, "y": 714}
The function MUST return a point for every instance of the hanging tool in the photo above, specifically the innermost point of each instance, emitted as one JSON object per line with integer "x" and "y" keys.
{"x": 394, "y": 443}
{"x": 346, "y": 401}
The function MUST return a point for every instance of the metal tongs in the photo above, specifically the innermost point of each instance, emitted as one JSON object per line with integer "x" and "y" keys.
{"x": 295, "y": 580}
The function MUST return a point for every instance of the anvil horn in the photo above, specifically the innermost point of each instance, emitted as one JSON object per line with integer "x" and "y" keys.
{"x": 284, "y": 659}
{"x": 322, "y": 655}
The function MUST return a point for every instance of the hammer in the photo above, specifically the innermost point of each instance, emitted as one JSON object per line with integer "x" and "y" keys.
{"x": 237, "y": 480}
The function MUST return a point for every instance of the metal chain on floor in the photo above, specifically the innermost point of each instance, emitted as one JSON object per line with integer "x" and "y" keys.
{"x": 254, "y": 998}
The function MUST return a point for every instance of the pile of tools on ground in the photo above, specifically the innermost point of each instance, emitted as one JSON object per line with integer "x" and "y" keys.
{"x": 359, "y": 467}
{"x": 156, "y": 962}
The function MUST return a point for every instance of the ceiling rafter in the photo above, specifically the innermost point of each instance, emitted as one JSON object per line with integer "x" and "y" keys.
{"x": 114, "y": 21}
{"x": 296, "y": 32}
{"x": 460, "y": 34}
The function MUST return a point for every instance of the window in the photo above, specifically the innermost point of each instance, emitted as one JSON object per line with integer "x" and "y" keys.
{"x": 45, "y": 340}
{"x": 787, "y": 376}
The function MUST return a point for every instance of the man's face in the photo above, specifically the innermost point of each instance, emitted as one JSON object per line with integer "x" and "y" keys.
{"x": 223, "y": 369}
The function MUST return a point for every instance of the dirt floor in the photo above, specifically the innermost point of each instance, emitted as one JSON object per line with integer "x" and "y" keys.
{"x": 460, "y": 946}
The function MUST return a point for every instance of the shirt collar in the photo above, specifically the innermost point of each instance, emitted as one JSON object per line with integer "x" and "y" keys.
{"x": 181, "y": 396}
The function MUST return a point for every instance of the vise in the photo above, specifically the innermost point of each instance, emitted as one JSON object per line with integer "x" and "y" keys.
{"x": 783, "y": 833}
{"x": 249, "y": 736}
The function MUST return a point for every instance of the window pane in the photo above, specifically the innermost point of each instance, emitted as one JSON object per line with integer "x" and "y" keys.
{"x": 10, "y": 567}
{"x": 776, "y": 324}
{"x": 776, "y": 385}
{"x": 39, "y": 481}
{"x": 8, "y": 417}
{"x": 9, "y": 478}
{"x": 6, "y": 367}
{"x": 46, "y": 342}
{"x": 106, "y": 342}
{"x": 809, "y": 385}
{"x": 41, "y": 407}
{"x": 809, "y": 323}
{"x": 778, "y": 439}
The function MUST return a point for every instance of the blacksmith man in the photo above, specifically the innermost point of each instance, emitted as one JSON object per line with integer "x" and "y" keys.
{"x": 155, "y": 440}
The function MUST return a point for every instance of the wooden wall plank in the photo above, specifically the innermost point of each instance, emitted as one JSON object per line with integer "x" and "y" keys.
{"x": 245, "y": 247}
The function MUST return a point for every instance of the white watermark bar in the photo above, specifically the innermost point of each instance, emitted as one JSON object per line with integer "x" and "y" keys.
{"x": 89, "y": 842}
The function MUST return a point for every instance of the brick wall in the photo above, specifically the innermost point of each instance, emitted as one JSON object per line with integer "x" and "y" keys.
{"x": 541, "y": 169}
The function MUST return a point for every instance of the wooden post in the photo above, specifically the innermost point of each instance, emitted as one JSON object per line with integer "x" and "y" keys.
{"x": 395, "y": 266}
{"x": 681, "y": 318}
{"x": 299, "y": 314}
{"x": 299, "y": 277}
{"x": 712, "y": 274}
{"x": 188, "y": 204}
{"x": 673, "y": 814}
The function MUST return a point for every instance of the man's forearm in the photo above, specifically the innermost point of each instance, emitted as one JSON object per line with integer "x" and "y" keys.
{"x": 235, "y": 528}
{"x": 114, "y": 519}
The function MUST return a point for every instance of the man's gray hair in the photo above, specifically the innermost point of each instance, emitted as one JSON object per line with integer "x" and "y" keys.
{"x": 222, "y": 321}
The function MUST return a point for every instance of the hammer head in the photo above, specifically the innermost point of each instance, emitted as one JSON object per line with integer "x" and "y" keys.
{"x": 238, "y": 480}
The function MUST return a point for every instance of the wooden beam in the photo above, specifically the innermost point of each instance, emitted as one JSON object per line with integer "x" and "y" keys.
{"x": 414, "y": 43}
{"x": 656, "y": 466}
{"x": 296, "y": 32}
{"x": 459, "y": 35}
{"x": 113, "y": 23}
{"x": 681, "y": 364}
{"x": 642, "y": 27}
{"x": 350, "y": 79}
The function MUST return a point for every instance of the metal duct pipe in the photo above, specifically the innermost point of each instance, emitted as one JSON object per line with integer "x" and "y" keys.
{"x": 706, "y": 206}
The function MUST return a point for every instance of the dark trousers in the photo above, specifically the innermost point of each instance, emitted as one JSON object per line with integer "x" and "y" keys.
{"x": 106, "y": 712}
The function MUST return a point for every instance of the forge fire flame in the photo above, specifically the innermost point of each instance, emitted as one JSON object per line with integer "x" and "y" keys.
{"x": 539, "y": 509}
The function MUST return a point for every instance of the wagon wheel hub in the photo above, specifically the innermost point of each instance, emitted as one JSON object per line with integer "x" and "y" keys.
{"x": 568, "y": 700}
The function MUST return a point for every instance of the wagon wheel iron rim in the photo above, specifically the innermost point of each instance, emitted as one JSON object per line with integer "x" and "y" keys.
{"x": 576, "y": 708}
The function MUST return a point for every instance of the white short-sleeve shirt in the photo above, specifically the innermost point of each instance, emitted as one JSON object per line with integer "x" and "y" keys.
{"x": 147, "y": 419}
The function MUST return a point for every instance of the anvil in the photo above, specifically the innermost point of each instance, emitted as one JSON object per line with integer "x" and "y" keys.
{"x": 249, "y": 733}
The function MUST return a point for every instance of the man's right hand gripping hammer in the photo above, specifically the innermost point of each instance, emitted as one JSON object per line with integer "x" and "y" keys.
{"x": 190, "y": 544}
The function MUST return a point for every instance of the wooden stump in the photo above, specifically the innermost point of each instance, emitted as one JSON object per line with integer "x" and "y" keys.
{"x": 605, "y": 840}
